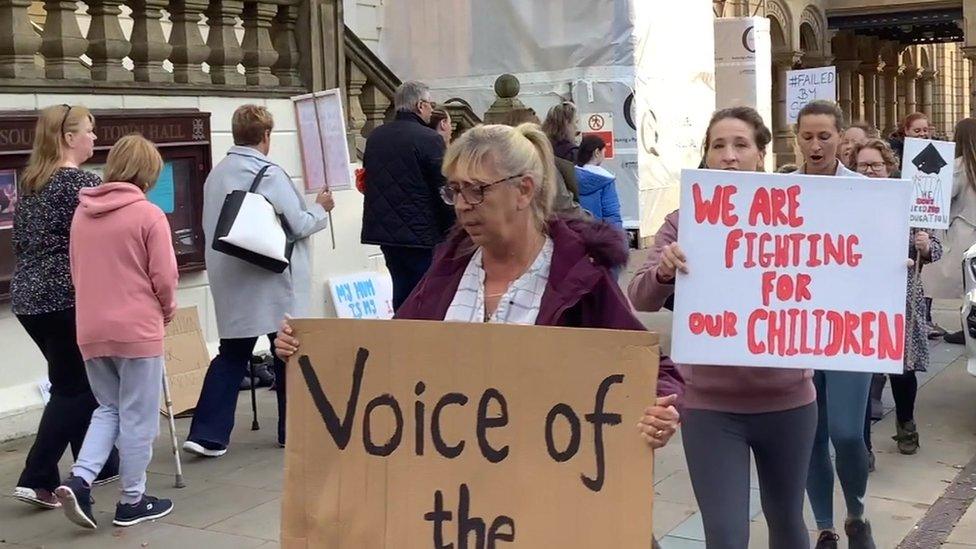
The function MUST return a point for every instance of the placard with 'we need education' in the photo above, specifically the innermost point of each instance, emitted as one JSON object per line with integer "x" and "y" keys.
{"x": 792, "y": 271}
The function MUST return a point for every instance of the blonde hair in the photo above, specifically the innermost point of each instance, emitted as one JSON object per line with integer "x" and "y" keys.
{"x": 134, "y": 159}
{"x": 521, "y": 150}
{"x": 560, "y": 122}
{"x": 45, "y": 158}
{"x": 249, "y": 124}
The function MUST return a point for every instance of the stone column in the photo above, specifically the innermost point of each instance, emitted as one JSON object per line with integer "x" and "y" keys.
{"x": 259, "y": 51}
{"x": 283, "y": 35}
{"x": 18, "y": 41}
{"x": 970, "y": 53}
{"x": 356, "y": 80}
{"x": 62, "y": 43}
{"x": 892, "y": 100}
{"x": 909, "y": 82}
{"x": 189, "y": 50}
{"x": 846, "y": 74}
{"x": 225, "y": 51}
{"x": 928, "y": 86}
{"x": 149, "y": 47}
{"x": 374, "y": 105}
{"x": 783, "y": 137}
{"x": 107, "y": 45}
{"x": 869, "y": 72}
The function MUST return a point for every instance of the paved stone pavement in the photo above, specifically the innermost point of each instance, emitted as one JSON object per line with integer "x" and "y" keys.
{"x": 234, "y": 502}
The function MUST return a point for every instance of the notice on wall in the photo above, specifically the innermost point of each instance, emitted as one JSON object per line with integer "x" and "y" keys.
{"x": 323, "y": 140}
{"x": 362, "y": 295}
{"x": 412, "y": 435}
{"x": 929, "y": 165}
{"x": 599, "y": 124}
{"x": 792, "y": 271}
{"x": 187, "y": 360}
{"x": 808, "y": 85}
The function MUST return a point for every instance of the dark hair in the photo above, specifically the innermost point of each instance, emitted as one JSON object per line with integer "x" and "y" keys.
{"x": 820, "y": 106}
{"x": 438, "y": 115}
{"x": 589, "y": 145}
{"x": 750, "y": 116}
{"x": 517, "y": 117}
{"x": 965, "y": 136}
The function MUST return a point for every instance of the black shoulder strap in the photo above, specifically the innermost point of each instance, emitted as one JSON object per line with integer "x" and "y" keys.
{"x": 257, "y": 178}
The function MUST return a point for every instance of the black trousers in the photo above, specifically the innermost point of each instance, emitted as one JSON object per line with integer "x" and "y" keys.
{"x": 213, "y": 418}
{"x": 407, "y": 266}
{"x": 66, "y": 416}
{"x": 904, "y": 387}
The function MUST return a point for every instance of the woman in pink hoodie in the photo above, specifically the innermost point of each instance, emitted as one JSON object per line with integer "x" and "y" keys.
{"x": 124, "y": 271}
{"x": 730, "y": 411}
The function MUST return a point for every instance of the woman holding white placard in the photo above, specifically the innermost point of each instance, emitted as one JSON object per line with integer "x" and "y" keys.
{"x": 732, "y": 411}
{"x": 875, "y": 159}
{"x": 944, "y": 281}
{"x": 842, "y": 397}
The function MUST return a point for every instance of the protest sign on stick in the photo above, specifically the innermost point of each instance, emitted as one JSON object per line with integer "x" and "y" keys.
{"x": 808, "y": 85}
{"x": 929, "y": 165}
{"x": 792, "y": 271}
{"x": 419, "y": 434}
{"x": 187, "y": 360}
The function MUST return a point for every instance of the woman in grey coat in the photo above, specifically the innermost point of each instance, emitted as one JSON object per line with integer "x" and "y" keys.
{"x": 249, "y": 301}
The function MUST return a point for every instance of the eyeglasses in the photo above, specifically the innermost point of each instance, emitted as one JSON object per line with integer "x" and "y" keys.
{"x": 473, "y": 194}
{"x": 429, "y": 102}
{"x": 872, "y": 167}
{"x": 67, "y": 111}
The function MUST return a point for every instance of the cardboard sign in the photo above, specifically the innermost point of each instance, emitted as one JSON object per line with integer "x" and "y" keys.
{"x": 362, "y": 295}
{"x": 402, "y": 434}
{"x": 790, "y": 271}
{"x": 324, "y": 145}
{"x": 808, "y": 85}
{"x": 929, "y": 165}
{"x": 187, "y": 360}
{"x": 600, "y": 124}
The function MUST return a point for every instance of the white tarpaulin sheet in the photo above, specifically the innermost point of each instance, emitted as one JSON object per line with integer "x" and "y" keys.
{"x": 650, "y": 65}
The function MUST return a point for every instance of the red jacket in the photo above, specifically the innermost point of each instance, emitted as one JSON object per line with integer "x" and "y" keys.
{"x": 581, "y": 292}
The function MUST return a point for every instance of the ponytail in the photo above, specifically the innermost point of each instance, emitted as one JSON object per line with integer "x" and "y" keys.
{"x": 542, "y": 203}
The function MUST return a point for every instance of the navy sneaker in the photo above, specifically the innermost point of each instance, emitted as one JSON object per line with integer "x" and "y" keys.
{"x": 149, "y": 508}
{"x": 76, "y": 500}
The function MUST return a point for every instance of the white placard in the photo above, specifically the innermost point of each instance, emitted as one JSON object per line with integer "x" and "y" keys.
{"x": 808, "y": 85}
{"x": 322, "y": 134}
{"x": 362, "y": 295}
{"x": 792, "y": 271}
{"x": 929, "y": 166}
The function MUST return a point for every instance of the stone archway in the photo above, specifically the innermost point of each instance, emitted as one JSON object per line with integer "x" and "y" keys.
{"x": 813, "y": 37}
{"x": 785, "y": 57}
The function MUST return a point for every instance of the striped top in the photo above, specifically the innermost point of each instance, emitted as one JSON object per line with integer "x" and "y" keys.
{"x": 519, "y": 305}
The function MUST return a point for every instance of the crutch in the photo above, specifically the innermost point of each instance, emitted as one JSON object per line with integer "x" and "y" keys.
{"x": 172, "y": 430}
{"x": 254, "y": 399}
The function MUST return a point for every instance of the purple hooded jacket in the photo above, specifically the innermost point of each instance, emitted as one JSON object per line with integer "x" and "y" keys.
{"x": 581, "y": 292}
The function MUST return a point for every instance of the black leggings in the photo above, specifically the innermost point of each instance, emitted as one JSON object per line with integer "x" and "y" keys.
{"x": 904, "y": 387}
{"x": 717, "y": 447}
{"x": 66, "y": 416}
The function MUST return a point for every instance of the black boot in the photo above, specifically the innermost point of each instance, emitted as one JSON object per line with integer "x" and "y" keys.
{"x": 859, "y": 534}
{"x": 956, "y": 338}
{"x": 907, "y": 438}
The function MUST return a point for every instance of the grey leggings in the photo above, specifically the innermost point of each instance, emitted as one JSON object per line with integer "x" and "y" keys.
{"x": 717, "y": 446}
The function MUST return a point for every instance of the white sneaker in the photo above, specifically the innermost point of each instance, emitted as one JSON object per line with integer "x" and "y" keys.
{"x": 197, "y": 449}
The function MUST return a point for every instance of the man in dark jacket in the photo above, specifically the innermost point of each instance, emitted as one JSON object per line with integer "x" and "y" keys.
{"x": 403, "y": 212}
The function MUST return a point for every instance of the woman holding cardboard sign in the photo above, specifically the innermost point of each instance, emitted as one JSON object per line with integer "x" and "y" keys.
{"x": 510, "y": 261}
{"x": 875, "y": 159}
{"x": 842, "y": 397}
{"x": 731, "y": 411}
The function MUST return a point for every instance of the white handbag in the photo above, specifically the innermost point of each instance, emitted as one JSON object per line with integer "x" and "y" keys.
{"x": 249, "y": 229}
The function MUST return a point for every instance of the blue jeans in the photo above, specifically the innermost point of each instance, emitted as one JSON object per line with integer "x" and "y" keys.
{"x": 213, "y": 418}
{"x": 841, "y": 399}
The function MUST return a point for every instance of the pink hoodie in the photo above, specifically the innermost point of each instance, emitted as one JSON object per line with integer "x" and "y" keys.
{"x": 124, "y": 271}
{"x": 751, "y": 390}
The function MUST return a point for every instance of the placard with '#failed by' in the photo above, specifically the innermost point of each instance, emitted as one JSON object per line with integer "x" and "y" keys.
{"x": 411, "y": 435}
{"x": 792, "y": 271}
